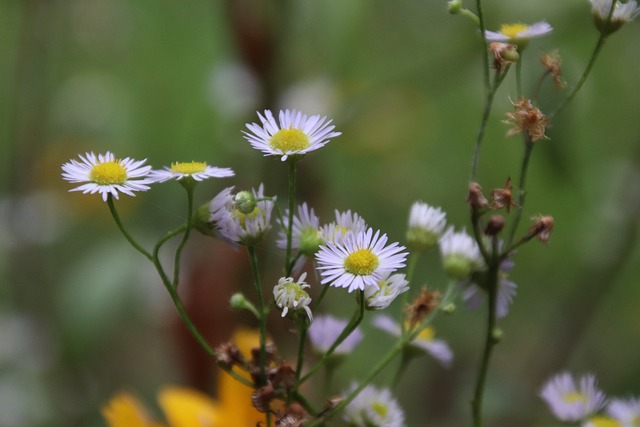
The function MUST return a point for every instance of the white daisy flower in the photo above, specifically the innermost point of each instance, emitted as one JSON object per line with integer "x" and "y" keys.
{"x": 622, "y": 13}
{"x": 571, "y": 403}
{"x": 519, "y": 33}
{"x": 473, "y": 295}
{"x": 305, "y": 234}
{"x": 380, "y": 296}
{"x": 344, "y": 223}
{"x": 425, "y": 341}
{"x": 236, "y": 226}
{"x": 324, "y": 331}
{"x": 295, "y": 135}
{"x": 373, "y": 407}
{"x": 290, "y": 295}
{"x": 359, "y": 260}
{"x": 107, "y": 175}
{"x": 626, "y": 411}
{"x": 460, "y": 254}
{"x": 199, "y": 171}
{"x": 426, "y": 225}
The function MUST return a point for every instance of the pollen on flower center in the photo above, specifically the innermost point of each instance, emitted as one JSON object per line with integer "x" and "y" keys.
{"x": 289, "y": 140}
{"x": 188, "y": 168}
{"x": 512, "y": 30}
{"x": 108, "y": 173}
{"x": 380, "y": 408}
{"x": 361, "y": 262}
{"x": 574, "y": 397}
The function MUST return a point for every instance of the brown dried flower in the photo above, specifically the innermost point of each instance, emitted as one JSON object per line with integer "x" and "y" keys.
{"x": 475, "y": 198}
{"x": 527, "y": 118}
{"x": 291, "y": 416}
{"x": 262, "y": 397}
{"x": 502, "y": 197}
{"x": 542, "y": 227}
{"x": 228, "y": 354}
{"x": 494, "y": 225}
{"x": 503, "y": 54}
{"x": 552, "y": 61}
{"x": 421, "y": 306}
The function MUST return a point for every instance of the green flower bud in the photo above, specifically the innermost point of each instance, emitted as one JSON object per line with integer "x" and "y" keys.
{"x": 310, "y": 241}
{"x": 239, "y": 302}
{"x": 245, "y": 202}
{"x": 455, "y": 6}
{"x": 420, "y": 239}
{"x": 458, "y": 266}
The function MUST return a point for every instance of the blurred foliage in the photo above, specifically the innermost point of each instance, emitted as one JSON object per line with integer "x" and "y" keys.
{"x": 82, "y": 315}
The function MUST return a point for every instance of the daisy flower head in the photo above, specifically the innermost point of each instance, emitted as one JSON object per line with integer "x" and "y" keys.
{"x": 519, "y": 34}
{"x": 293, "y": 135}
{"x": 360, "y": 260}
{"x": 424, "y": 341}
{"x": 324, "y": 331}
{"x": 305, "y": 233}
{"x": 237, "y": 225}
{"x": 460, "y": 254}
{"x": 622, "y": 13}
{"x": 291, "y": 295}
{"x": 625, "y": 411}
{"x": 426, "y": 225}
{"x": 198, "y": 171}
{"x": 107, "y": 175}
{"x": 345, "y": 222}
{"x": 571, "y": 402}
{"x": 380, "y": 296}
{"x": 373, "y": 407}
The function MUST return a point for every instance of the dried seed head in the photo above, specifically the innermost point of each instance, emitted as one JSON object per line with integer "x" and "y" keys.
{"x": 502, "y": 197}
{"x": 527, "y": 118}
{"x": 291, "y": 416}
{"x": 228, "y": 355}
{"x": 421, "y": 306}
{"x": 503, "y": 54}
{"x": 495, "y": 225}
{"x": 475, "y": 198}
{"x": 262, "y": 397}
{"x": 542, "y": 227}
{"x": 552, "y": 61}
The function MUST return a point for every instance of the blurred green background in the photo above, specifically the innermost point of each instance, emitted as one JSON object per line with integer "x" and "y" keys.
{"x": 83, "y": 316}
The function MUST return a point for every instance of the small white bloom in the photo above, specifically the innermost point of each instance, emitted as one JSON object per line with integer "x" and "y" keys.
{"x": 519, "y": 33}
{"x": 425, "y": 341}
{"x": 236, "y": 226}
{"x": 344, "y": 223}
{"x": 107, "y": 175}
{"x": 373, "y": 407}
{"x": 385, "y": 292}
{"x": 197, "y": 170}
{"x": 622, "y": 13}
{"x": 359, "y": 260}
{"x": 290, "y": 295}
{"x": 571, "y": 403}
{"x": 626, "y": 411}
{"x": 305, "y": 233}
{"x": 295, "y": 135}
{"x": 324, "y": 331}
{"x": 426, "y": 225}
{"x": 460, "y": 254}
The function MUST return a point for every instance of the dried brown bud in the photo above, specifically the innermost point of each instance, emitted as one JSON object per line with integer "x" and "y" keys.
{"x": 495, "y": 225}
{"x": 331, "y": 403}
{"x": 527, "y": 118}
{"x": 262, "y": 397}
{"x": 270, "y": 352}
{"x": 542, "y": 227}
{"x": 502, "y": 197}
{"x": 421, "y": 306}
{"x": 552, "y": 61}
{"x": 291, "y": 416}
{"x": 285, "y": 375}
{"x": 503, "y": 54}
{"x": 228, "y": 355}
{"x": 475, "y": 198}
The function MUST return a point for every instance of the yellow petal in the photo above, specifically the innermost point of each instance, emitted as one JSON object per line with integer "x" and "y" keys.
{"x": 184, "y": 407}
{"x": 124, "y": 410}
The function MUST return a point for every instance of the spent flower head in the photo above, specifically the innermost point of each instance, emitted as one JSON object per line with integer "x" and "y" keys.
{"x": 622, "y": 13}
{"x": 527, "y": 119}
{"x": 107, "y": 175}
{"x": 294, "y": 135}
{"x": 373, "y": 407}
{"x": 198, "y": 171}
{"x": 359, "y": 260}
{"x": 426, "y": 224}
{"x": 324, "y": 331}
{"x": 552, "y": 62}
{"x": 291, "y": 295}
{"x": 570, "y": 401}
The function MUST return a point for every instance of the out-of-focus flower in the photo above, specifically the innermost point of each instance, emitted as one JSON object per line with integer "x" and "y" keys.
{"x": 359, "y": 260}
{"x": 473, "y": 294}
{"x": 306, "y": 235}
{"x": 626, "y": 411}
{"x": 237, "y": 226}
{"x": 373, "y": 407}
{"x": 542, "y": 227}
{"x": 503, "y": 54}
{"x": 107, "y": 175}
{"x": 344, "y": 223}
{"x": 425, "y": 341}
{"x": 601, "y": 421}
{"x": 426, "y": 225}
{"x": 199, "y": 171}
{"x": 295, "y": 135}
{"x": 460, "y": 254}
{"x": 290, "y": 295}
{"x": 552, "y": 62}
{"x": 622, "y": 13}
{"x": 325, "y": 329}
{"x": 527, "y": 119}
{"x": 519, "y": 34}
{"x": 569, "y": 402}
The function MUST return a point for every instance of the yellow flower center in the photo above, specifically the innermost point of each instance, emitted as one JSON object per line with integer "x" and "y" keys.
{"x": 188, "y": 168}
{"x": 574, "y": 397}
{"x": 426, "y": 334}
{"x": 380, "y": 409}
{"x": 108, "y": 173}
{"x": 512, "y": 30}
{"x": 361, "y": 262}
{"x": 242, "y": 217}
{"x": 600, "y": 421}
{"x": 289, "y": 140}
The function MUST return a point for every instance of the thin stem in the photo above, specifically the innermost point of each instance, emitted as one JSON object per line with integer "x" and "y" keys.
{"x": 302, "y": 327}
{"x": 116, "y": 218}
{"x": 292, "y": 201}
{"x": 519, "y": 75}
{"x": 185, "y": 237}
{"x": 485, "y": 55}
{"x": 528, "y": 148}
{"x": 262, "y": 320}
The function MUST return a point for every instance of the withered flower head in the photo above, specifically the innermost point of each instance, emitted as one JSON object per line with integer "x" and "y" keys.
{"x": 475, "y": 198}
{"x": 284, "y": 374}
{"x": 503, "y": 54}
{"x": 502, "y": 197}
{"x": 290, "y": 416}
{"x": 527, "y": 118}
{"x": 495, "y": 225}
{"x": 228, "y": 354}
{"x": 542, "y": 227}
{"x": 552, "y": 61}
{"x": 262, "y": 397}
{"x": 421, "y": 306}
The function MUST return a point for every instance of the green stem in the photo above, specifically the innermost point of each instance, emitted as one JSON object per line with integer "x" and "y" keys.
{"x": 185, "y": 237}
{"x": 116, "y": 218}
{"x": 292, "y": 201}
{"x": 528, "y": 148}
{"x": 302, "y": 327}
{"x": 519, "y": 75}
{"x": 485, "y": 53}
{"x": 262, "y": 320}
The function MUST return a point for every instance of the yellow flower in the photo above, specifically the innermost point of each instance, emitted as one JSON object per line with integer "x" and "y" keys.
{"x": 185, "y": 407}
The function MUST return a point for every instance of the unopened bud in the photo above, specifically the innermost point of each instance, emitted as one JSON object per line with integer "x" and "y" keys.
{"x": 475, "y": 198}
{"x": 449, "y": 308}
{"x": 496, "y": 335}
{"x": 245, "y": 202}
{"x": 454, "y": 6}
{"x": 239, "y": 302}
{"x": 457, "y": 266}
{"x": 495, "y": 225}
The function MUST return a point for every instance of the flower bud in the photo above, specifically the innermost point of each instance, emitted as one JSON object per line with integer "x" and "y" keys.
{"x": 239, "y": 302}
{"x": 310, "y": 241}
{"x": 454, "y": 6}
{"x": 245, "y": 202}
{"x": 495, "y": 225}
